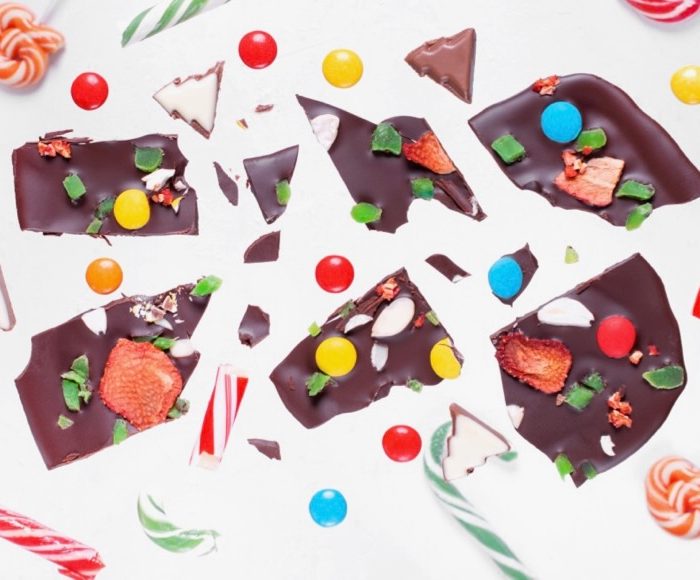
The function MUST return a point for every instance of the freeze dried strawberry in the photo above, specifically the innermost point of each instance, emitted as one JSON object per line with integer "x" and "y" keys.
{"x": 63, "y": 148}
{"x": 46, "y": 149}
{"x": 54, "y": 147}
{"x": 596, "y": 185}
{"x": 546, "y": 86}
{"x": 619, "y": 420}
{"x": 428, "y": 152}
{"x": 542, "y": 364}
{"x": 164, "y": 197}
{"x": 573, "y": 164}
{"x": 140, "y": 383}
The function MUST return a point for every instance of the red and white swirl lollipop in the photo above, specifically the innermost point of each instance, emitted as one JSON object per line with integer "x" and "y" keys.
{"x": 25, "y": 46}
{"x": 666, "y": 10}
{"x": 673, "y": 496}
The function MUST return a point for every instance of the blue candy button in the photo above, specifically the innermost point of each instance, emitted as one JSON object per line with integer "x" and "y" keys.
{"x": 561, "y": 122}
{"x": 328, "y": 507}
{"x": 506, "y": 278}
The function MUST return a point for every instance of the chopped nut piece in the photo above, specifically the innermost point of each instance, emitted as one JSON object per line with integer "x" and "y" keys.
{"x": 388, "y": 290}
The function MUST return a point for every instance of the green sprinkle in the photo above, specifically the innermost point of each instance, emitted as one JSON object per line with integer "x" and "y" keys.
{"x": 316, "y": 383}
{"x": 508, "y": 456}
{"x": 570, "y": 255}
{"x": 423, "y": 187}
{"x": 105, "y": 207}
{"x": 206, "y": 286}
{"x": 588, "y": 470}
{"x": 64, "y": 422}
{"x": 74, "y": 186}
{"x": 594, "y": 381}
{"x": 637, "y": 216}
{"x": 283, "y": 191}
{"x": 431, "y": 317}
{"x": 81, "y": 366}
{"x": 347, "y": 308}
{"x": 365, "y": 213}
{"x": 180, "y": 408}
{"x": 386, "y": 139}
{"x": 71, "y": 394}
{"x": 415, "y": 385}
{"x": 74, "y": 383}
{"x": 591, "y": 138}
{"x": 636, "y": 190}
{"x": 94, "y": 226}
{"x": 164, "y": 343}
{"x": 579, "y": 397}
{"x": 509, "y": 149}
{"x": 148, "y": 159}
{"x": 74, "y": 377}
{"x": 564, "y": 466}
{"x": 120, "y": 431}
{"x": 665, "y": 378}
{"x": 314, "y": 329}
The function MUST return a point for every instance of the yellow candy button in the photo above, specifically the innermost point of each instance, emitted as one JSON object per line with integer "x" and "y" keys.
{"x": 342, "y": 68}
{"x": 685, "y": 84}
{"x": 443, "y": 360}
{"x": 132, "y": 209}
{"x": 336, "y": 356}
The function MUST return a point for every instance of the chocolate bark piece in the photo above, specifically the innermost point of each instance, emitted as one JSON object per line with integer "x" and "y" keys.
{"x": 633, "y": 289}
{"x": 447, "y": 267}
{"x": 265, "y": 249}
{"x": 270, "y": 449}
{"x": 7, "y": 313}
{"x": 408, "y": 356}
{"x": 264, "y": 175}
{"x": 385, "y": 180}
{"x": 254, "y": 326}
{"x": 528, "y": 264}
{"x": 650, "y": 155}
{"x": 106, "y": 168}
{"x": 193, "y": 99}
{"x": 94, "y": 334}
{"x": 448, "y": 61}
{"x": 227, "y": 185}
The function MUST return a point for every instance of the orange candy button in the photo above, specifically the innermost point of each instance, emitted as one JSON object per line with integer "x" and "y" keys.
{"x": 104, "y": 275}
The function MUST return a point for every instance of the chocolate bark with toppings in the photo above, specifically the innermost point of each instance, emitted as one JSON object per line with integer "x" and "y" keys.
{"x": 265, "y": 249}
{"x": 449, "y": 62}
{"x": 270, "y": 177}
{"x": 528, "y": 265}
{"x": 447, "y": 267}
{"x": 105, "y": 169}
{"x": 397, "y": 338}
{"x": 576, "y": 403}
{"x": 254, "y": 326}
{"x": 385, "y": 180}
{"x": 649, "y": 156}
{"x": 131, "y": 321}
{"x": 227, "y": 185}
{"x": 270, "y": 449}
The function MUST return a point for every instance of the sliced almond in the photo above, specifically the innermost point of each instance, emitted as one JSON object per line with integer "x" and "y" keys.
{"x": 96, "y": 320}
{"x": 565, "y": 312}
{"x": 182, "y": 348}
{"x": 394, "y": 318}
{"x": 357, "y": 321}
{"x": 325, "y": 127}
{"x": 607, "y": 445}
{"x": 156, "y": 181}
{"x": 379, "y": 355}
{"x": 516, "y": 414}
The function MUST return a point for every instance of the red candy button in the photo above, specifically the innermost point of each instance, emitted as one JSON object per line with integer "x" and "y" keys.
{"x": 696, "y": 307}
{"x": 257, "y": 49}
{"x": 401, "y": 443}
{"x": 616, "y": 336}
{"x": 334, "y": 273}
{"x": 89, "y": 91}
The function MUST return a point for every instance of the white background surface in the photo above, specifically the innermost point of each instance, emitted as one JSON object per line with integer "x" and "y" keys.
{"x": 394, "y": 528}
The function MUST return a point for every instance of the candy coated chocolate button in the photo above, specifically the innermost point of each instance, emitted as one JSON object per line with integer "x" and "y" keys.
{"x": 336, "y": 356}
{"x": 616, "y": 336}
{"x": 334, "y": 273}
{"x": 89, "y": 91}
{"x": 505, "y": 277}
{"x": 328, "y": 508}
{"x": 342, "y": 68}
{"x": 257, "y": 49}
{"x": 561, "y": 122}
{"x": 401, "y": 443}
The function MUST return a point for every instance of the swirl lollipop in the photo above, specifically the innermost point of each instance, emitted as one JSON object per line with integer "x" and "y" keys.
{"x": 673, "y": 495}
{"x": 666, "y": 10}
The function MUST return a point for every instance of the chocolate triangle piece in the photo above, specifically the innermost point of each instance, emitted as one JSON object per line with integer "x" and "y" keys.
{"x": 270, "y": 177}
{"x": 448, "y": 61}
{"x": 254, "y": 326}
{"x": 447, "y": 267}
{"x": 265, "y": 249}
{"x": 227, "y": 185}
{"x": 270, "y": 449}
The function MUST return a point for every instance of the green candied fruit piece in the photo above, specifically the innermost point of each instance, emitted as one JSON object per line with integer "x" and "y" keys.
{"x": 283, "y": 191}
{"x": 120, "y": 432}
{"x": 636, "y": 190}
{"x": 206, "y": 286}
{"x": 509, "y": 149}
{"x": 570, "y": 255}
{"x": 64, "y": 422}
{"x": 594, "y": 381}
{"x": 316, "y": 383}
{"x": 386, "y": 139}
{"x": 637, "y": 216}
{"x": 563, "y": 464}
{"x": 579, "y": 397}
{"x": 314, "y": 329}
{"x": 423, "y": 188}
{"x": 665, "y": 378}
{"x": 415, "y": 385}
{"x": 508, "y": 456}
{"x": 588, "y": 470}
{"x": 366, "y": 213}
{"x": 148, "y": 159}
{"x": 74, "y": 186}
{"x": 431, "y": 317}
{"x": 592, "y": 139}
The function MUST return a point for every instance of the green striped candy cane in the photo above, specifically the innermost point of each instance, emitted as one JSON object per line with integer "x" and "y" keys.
{"x": 165, "y": 15}
{"x": 464, "y": 512}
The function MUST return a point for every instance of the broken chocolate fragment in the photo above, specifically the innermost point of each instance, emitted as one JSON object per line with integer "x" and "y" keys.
{"x": 447, "y": 267}
{"x": 502, "y": 275}
{"x": 227, "y": 185}
{"x": 254, "y": 326}
{"x": 270, "y": 449}
{"x": 265, "y": 249}
{"x": 265, "y": 173}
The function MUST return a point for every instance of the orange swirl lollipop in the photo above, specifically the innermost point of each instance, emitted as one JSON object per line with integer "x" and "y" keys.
{"x": 673, "y": 496}
{"x": 25, "y": 46}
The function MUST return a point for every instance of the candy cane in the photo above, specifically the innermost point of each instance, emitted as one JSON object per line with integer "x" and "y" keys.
{"x": 225, "y": 400}
{"x": 25, "y": 46}
{"x": 666, "y": 10}
{"x": 165, "y": 15}
{"x": 673, "y": 496}
{"x": 74, "y": 559}
{"x": 464, "y": 512}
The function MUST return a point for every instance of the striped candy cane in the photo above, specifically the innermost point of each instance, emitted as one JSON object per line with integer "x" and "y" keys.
{"x": 225, "y": 400}
{"x": 165, "y": 15}
{"x": 74, "y": 559}
{"x": 464, "y": 512}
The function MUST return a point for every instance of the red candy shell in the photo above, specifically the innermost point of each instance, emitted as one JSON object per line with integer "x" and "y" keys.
{"x": 616, "y": 336}
{"x": 401, "y": 443}
{"x": 89, "y": 91}
{"x": 334, "y": 273}
{"x": 257, "y": 49}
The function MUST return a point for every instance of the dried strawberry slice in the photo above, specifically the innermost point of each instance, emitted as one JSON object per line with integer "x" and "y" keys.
{"x": 546, "y": 86}
{"x": 595, "y": 185}
{"x": 428, "y": 152}
{"x": 543, "y": 364}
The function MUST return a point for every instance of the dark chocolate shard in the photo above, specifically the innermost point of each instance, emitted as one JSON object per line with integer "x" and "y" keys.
{"x": 447, "y": 267}
{"x": 388, "y": 353}
{"x": 7, "y": 313}
{"x": 270, "y": 449}
{"x": 649, "y": 153}
{"x": 385, "y": 180}
{"x": 227, "y": 185}
{"x": 193, "y": 99}
{"x": 106, "y": 168}
{"x": 94, "y": 334}
{"x": 449, "y": 62}
{"x": 254, "y": 326}
{"x": 265, "y": 249}
{"x": 264, "y": 175}
{"x": 528, "y": 264}
{"x": 632, "y": 289}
